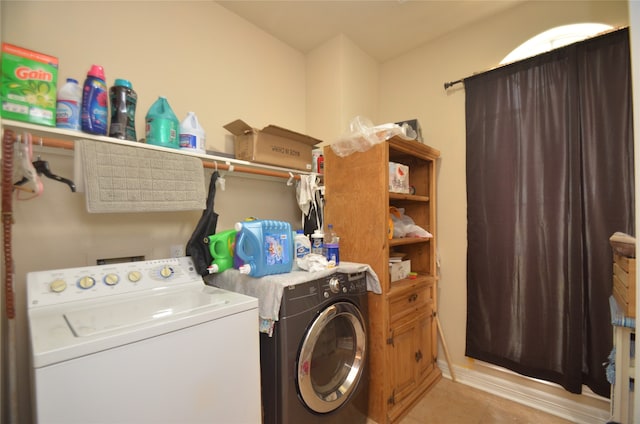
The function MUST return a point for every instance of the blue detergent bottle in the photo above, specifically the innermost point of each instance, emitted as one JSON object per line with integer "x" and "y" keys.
{"x": 265, "y": 247}
{"x": 94, "y": 111}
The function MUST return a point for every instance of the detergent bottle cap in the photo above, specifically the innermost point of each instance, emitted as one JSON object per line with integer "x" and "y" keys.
{"x": 96, "y": 71}
{"x": 123, "y": 83}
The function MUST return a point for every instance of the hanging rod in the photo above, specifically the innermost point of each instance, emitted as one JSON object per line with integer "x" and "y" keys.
{"x": 207, "y": 163}
{"x": 452, "y": 83}
{"x": 211, "y": 163}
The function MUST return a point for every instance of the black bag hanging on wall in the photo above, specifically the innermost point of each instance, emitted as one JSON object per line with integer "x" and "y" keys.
{"x": 198, "y": 245}
{"x": 315, "y": 218}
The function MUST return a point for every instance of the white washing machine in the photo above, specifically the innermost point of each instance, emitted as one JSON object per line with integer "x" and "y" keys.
{"x": 141, "y": 342}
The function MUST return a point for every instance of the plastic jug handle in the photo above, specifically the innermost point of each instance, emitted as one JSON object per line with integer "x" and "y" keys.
{"x": 219, "y": 247}
{"x": 240, "y": 243}
{"x": 240, "y": 247}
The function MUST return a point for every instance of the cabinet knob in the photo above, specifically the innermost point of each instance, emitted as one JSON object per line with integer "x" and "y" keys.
{"x": 418, "y": 355}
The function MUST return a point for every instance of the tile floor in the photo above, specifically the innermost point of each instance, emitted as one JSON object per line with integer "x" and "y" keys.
{"x": 456, "y": 403}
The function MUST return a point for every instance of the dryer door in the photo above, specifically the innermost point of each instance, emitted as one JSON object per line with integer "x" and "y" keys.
{"x": 332, "y": 357}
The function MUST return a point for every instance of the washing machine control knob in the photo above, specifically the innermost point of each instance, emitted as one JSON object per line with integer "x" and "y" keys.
{"x": 111, "y": 279}
{"x": 86, "y": 282}
{"x": 134, "y": 276}
{"x": 166, "y": 272}
{"x": 58, "y": 286}
{"x": 334, "y": 285}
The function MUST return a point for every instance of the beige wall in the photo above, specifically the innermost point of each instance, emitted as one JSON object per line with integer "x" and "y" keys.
{"x": 197, "y": 54}
{"x": 203, "y": 59}
{"x": 223, "y": 68}
{"x": 342, "y": 82}
{"x": 412, "y": 87}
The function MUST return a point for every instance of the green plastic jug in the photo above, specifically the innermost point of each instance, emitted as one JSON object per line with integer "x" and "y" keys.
{"x": 161, "y": 125}
{"x": 221, "y": 248}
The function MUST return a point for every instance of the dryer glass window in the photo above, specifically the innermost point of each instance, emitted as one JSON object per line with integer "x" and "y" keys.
{"x": 332, "y": 357}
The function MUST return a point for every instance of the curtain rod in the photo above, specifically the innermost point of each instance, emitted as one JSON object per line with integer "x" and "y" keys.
{"x": 206, "y": 162}
{"x": 452, "y": 83}
{"x": 461, "y": 81}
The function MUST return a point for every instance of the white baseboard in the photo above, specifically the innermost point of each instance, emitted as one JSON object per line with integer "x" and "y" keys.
{"x": 529, "y": 396}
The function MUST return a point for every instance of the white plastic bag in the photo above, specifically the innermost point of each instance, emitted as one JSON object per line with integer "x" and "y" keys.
{"x": 404, "y": 226}
{"x": 363, "y": 135}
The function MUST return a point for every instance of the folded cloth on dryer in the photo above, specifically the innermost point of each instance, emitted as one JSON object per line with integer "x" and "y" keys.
{"x": 269, "y": 289}
{"x": 121, "y": 178}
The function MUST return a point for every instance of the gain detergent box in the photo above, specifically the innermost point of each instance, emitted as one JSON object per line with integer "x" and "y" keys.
{"x": 28, "y": 85}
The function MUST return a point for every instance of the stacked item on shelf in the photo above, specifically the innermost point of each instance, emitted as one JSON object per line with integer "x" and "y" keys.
{"x": 621, "y": 367}
{"x": 624, "y": 272}
{"x": 399, "y": 267}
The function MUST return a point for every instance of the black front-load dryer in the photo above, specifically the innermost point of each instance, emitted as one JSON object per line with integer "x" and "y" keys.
{"x": 315, "y": 365}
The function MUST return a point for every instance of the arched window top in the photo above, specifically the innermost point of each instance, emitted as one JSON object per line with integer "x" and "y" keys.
{"x": 555, "y": 38}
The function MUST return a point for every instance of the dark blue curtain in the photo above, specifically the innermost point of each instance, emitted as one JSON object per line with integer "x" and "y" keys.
{"x": 549, "y": 180}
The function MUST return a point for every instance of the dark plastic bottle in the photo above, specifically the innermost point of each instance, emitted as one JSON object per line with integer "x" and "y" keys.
{"x": 123, "y": 110}
{"x": 94, "y": 115}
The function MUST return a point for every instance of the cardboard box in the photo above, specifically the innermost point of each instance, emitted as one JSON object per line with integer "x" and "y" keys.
{"x": 28, "y": 85}
{"x": 398, "y": 178}
{"x": 399, "y": 270}
{"x": 272, "y": 145}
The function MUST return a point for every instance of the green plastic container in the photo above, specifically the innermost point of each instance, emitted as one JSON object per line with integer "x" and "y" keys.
{"x": 161, "y": 125}
{"x": 221, "y": 249}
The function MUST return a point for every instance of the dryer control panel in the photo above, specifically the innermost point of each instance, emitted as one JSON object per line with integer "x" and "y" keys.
{"x": 343, "y": 284}
{"x": 83, "y": 283}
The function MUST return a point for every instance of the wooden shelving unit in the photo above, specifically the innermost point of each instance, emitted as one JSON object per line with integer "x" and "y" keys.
{"x": 402, "y": 320}
{"x": 624, "y": 293}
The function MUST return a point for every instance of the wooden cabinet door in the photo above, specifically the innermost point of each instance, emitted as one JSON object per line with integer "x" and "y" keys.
{"x": 425, "y": 357}
{"x": 403, "y": 351}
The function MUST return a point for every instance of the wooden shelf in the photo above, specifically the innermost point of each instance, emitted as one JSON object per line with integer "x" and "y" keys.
{"x": 64, "y": 139}
{"x": 407, "y": 241}
{"x": 411, "y": 197}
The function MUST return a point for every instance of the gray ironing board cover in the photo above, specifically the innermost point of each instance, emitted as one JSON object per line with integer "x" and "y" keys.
{"x": 269, "y": 289}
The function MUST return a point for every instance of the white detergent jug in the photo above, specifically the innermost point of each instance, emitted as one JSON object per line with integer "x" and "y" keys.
{"x": 192, "y": 135}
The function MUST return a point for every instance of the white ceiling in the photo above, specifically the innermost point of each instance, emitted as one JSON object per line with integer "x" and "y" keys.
{"x": 382, "y": 28}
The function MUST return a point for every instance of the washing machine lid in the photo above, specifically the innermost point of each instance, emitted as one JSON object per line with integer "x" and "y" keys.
{"x": 91, "y": 321}
{"x": 67, "y": 331}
